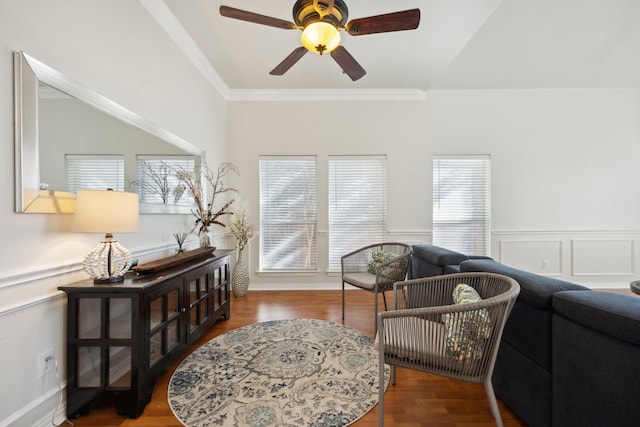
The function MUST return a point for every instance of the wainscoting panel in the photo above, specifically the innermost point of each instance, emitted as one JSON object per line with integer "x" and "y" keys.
{"x": 537, "y": 256}
{"x": 602, "y": 257}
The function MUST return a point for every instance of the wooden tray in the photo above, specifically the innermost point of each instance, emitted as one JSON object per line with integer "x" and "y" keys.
{"x": 172, "y": 261}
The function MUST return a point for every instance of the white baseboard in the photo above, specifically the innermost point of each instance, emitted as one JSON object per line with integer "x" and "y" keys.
{"x": 25, "y": 415}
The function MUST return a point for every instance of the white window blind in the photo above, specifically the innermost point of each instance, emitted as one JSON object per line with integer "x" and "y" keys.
{"x": 357, "y": 204}
{"x": 94, "y": 172}
{"x": 288, "y": 213}
{"x": 157, "y": 180}
{"x": 461, "y": 205}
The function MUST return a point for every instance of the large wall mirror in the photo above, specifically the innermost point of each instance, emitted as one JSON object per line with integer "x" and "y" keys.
{"x": 61, "y": 126}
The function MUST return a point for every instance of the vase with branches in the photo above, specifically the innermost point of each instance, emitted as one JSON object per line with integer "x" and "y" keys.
{"x": 243, "y": 231}
{"x": 206, "y": 188}
{"x": 240, "y": 226}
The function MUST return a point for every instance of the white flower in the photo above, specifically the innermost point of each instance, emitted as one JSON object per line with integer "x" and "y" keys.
{"x": 242, "y": 230}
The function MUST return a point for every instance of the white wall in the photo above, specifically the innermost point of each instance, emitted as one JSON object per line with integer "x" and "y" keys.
{"x": 115, "y": 48}
{"x": 565, "y": 198}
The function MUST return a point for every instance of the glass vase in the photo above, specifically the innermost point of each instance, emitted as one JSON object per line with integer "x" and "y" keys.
{"x": 205, "y": 237}
{"x": 240, "y": 275}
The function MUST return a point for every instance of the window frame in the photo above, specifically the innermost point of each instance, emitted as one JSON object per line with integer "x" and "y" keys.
{"x": 274, "y": 217}
{"x": 473, "y": 185}
{"x": 347, "y": 210}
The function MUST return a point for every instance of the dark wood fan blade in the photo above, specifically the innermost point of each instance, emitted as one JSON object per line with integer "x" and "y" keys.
{"x": 289, "y": 61}
{"x": 397, "y": 21}
{"x": 243, "y": 15}
{"x": 348, "y": 63}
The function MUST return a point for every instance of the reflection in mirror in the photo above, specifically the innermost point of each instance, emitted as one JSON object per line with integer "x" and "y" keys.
{"x": 69, "y": 137}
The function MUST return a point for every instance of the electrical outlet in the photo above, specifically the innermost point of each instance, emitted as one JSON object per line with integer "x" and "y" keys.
{"x": 46, "y": 363}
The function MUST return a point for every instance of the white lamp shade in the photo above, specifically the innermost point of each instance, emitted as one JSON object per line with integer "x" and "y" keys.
{"x": 106, "y": 211}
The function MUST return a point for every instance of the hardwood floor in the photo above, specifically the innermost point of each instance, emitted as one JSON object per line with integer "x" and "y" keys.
{"x": 417, "y": 399}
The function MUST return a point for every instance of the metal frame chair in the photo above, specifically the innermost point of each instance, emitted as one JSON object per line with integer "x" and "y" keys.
{"x": 427, "y": 332}
{"x": 355, "y": 272}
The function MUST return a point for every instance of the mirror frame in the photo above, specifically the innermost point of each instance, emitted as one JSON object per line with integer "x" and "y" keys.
{"x": 29, "y": 198}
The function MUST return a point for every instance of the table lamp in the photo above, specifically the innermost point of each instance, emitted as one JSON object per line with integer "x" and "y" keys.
{"x": 106, "y": 211}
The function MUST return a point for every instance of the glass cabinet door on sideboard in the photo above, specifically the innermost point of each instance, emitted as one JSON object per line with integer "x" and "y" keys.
{"x": 117, "y": 339}
{"x": 120, "y": 337}
{"x": 165, "y": 323}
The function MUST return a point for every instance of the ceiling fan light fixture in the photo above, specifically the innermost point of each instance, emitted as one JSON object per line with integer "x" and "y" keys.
{"x": 320, "y": 37}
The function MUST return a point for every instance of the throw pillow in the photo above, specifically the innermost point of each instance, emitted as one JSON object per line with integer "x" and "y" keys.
{"x": 379, "y": 257}
{"x": 394, "y": 271}
{"x": 466, "y": 331}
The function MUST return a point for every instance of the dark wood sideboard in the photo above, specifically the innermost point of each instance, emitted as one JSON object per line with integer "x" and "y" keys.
{"x": 121, "y": 337}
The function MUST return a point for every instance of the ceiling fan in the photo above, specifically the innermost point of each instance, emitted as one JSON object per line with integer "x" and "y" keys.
{"x": 321, "y": 22}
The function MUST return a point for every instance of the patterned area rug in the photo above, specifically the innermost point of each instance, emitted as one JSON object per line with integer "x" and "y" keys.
{"x": 284, "y": 373}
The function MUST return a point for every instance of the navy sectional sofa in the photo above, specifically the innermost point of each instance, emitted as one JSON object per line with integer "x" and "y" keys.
{"x": 429, "y": 260}
{"x": 569, "y": 356}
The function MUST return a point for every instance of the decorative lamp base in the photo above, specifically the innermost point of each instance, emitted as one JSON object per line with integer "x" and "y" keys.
{"x": 108, "y": 262}
{"x": 116, "y": 279}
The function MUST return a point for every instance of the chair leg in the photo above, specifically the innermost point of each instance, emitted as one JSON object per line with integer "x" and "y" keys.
{"x": 380, "y": 381}
{"x": 493, "y": 403}
{"x": 343, "y": 300}
{"x": 375, "y": 313}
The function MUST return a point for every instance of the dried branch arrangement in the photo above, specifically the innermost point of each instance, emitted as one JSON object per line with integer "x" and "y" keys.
{"x": 206, "y": 189}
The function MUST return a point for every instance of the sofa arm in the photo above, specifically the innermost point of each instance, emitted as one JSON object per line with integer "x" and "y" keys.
{"x": 430, "y": 260}
{"x": 535, "y": 289}
{"x": 437, "y": 255}
{"x": 612, "y": 314}
{"x": 596, "y": 348}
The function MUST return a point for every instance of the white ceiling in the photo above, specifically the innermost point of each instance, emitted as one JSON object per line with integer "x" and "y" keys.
{"x": 460, "y": 44}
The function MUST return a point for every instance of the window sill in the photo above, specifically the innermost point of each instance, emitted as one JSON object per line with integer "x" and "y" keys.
{"x": 287, "y": 273}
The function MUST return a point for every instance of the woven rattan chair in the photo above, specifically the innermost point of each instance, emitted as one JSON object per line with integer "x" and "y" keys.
{"x": 427, "y": 332}
{"x": 357, "y": 270}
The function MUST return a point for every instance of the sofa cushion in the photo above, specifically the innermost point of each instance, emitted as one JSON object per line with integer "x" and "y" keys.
{"x": 451, "y": 269}
{"x": 595, "y": 374}
{"x": 612, "y": 314}
{"x": 437, "y": 255}
{"x": 535, "y": 289}
{"x": 528, "y": 329}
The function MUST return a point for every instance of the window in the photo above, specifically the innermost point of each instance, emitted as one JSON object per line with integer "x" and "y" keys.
{"x": 157, "y": 180}
{"x": 288, "y": 213}
{"x": 94, "y": 172}
{"x": 357, "y": 204}
{"x": 461, "y": 214}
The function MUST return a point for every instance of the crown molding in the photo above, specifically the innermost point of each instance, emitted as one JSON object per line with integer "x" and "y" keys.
{"x": 326, "y": 95}
{"x": 167, "y": 21}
